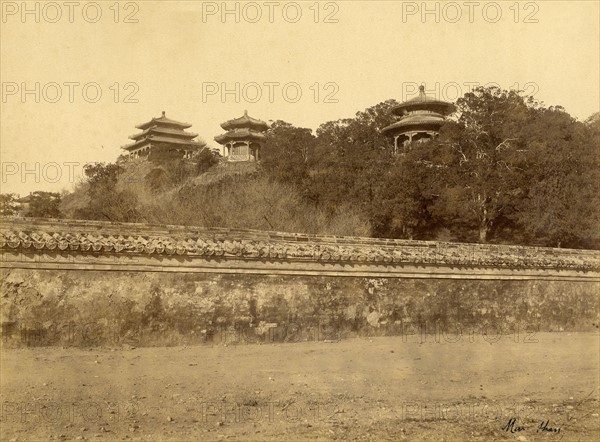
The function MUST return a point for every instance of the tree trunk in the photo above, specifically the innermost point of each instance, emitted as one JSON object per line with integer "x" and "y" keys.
{"x": 483, "y": 232}
{"x": 484, "y": 221}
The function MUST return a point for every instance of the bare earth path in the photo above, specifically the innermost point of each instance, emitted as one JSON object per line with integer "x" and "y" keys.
{"x": 390, "y": 388}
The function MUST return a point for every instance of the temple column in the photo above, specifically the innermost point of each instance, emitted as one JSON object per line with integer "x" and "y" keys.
{"x": 396, "y": 144}
{"x": 243, "y": 133}
{"x": 410, "y": 138}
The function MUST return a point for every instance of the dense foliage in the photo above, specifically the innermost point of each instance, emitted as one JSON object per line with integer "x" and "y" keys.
{"x": 37, "y": 204}
{"x": 9, "y": 204}
{"x": 504, "y": 169}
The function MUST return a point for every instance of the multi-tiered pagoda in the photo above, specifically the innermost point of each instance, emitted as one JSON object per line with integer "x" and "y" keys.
{"x": 243, "y": 139}
{"x": 420, "y": 119}
{"x": 162, "y": 133}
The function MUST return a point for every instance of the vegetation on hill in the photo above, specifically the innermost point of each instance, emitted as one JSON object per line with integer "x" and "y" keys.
{"x": 38, "y": 204}
{"x": 505, "y": 169}
{"x": 185, "y": 191}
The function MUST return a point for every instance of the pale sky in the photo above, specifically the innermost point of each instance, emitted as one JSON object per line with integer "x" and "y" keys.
{"x": 357, "y": 54}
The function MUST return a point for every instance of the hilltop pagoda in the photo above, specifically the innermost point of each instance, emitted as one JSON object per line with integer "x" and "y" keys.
{"x": 243, "y": 139}
{"x": 420, "y": 119}
{"x": 162, "y": 133}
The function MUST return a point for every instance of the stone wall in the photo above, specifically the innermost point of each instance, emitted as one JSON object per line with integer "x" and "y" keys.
{"x": 89, "y": 283}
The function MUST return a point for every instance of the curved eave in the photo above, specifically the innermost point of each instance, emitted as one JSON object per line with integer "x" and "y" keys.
{"x": 157, "y": 140}
{"x": 164, "y": 131}
{"x": 441, "y": 107}
{"x": 408, "y": 126}
{"x": 247, "y": 124}
{"x": 233, "y": 136}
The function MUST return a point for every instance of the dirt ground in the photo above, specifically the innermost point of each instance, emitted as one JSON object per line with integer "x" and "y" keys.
{"x": 390, "y": 388}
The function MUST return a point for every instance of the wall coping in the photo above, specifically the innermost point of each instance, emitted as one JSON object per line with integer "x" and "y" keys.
{"x": 56, "y": 224}
{"x": 39, "y": 236}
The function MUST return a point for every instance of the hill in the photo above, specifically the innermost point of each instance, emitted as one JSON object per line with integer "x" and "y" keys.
{"x": 234, "y": 195}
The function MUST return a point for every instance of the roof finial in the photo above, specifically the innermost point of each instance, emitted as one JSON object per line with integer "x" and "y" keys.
{"x": 163, "y": 114}
{"x": 245, "y": 112}
{"x": 422, "y": 88}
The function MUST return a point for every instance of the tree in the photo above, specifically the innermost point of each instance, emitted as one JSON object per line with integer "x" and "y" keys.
{"x": 204, "y": 159}
{"x": 562, "y": 206}
{"x": 351, "y": 158}
{"x": 44, "y": 205}
{"x": 105, "y": 201}
{"x": 507, "y": 170}
{"x": 8, "y": 204}
{"x": 399, "y": 208}
{"x": 478, "y": 161}
{"x": 172, "y": 167}
{"x": 288, "y": 153}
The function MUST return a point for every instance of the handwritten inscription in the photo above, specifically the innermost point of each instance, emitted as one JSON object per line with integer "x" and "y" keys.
{"x": 544, "y": 427}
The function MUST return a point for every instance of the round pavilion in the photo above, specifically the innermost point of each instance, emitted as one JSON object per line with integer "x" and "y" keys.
{"x": 420, "y": 119}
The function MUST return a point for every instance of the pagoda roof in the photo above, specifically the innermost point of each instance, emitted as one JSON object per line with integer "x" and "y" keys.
{"x": 424, "y": 102}
{"x": 245, "y": 121}
{"x": 163, "y": 130}
{"x": 240, "y": 135}
{"x": 163, "y": 120}
{"x": 166, "y": 140}
{"x": 416, "y": 121}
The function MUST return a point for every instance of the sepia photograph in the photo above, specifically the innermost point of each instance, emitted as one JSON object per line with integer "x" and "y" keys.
{"x": 310, "y": 220}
